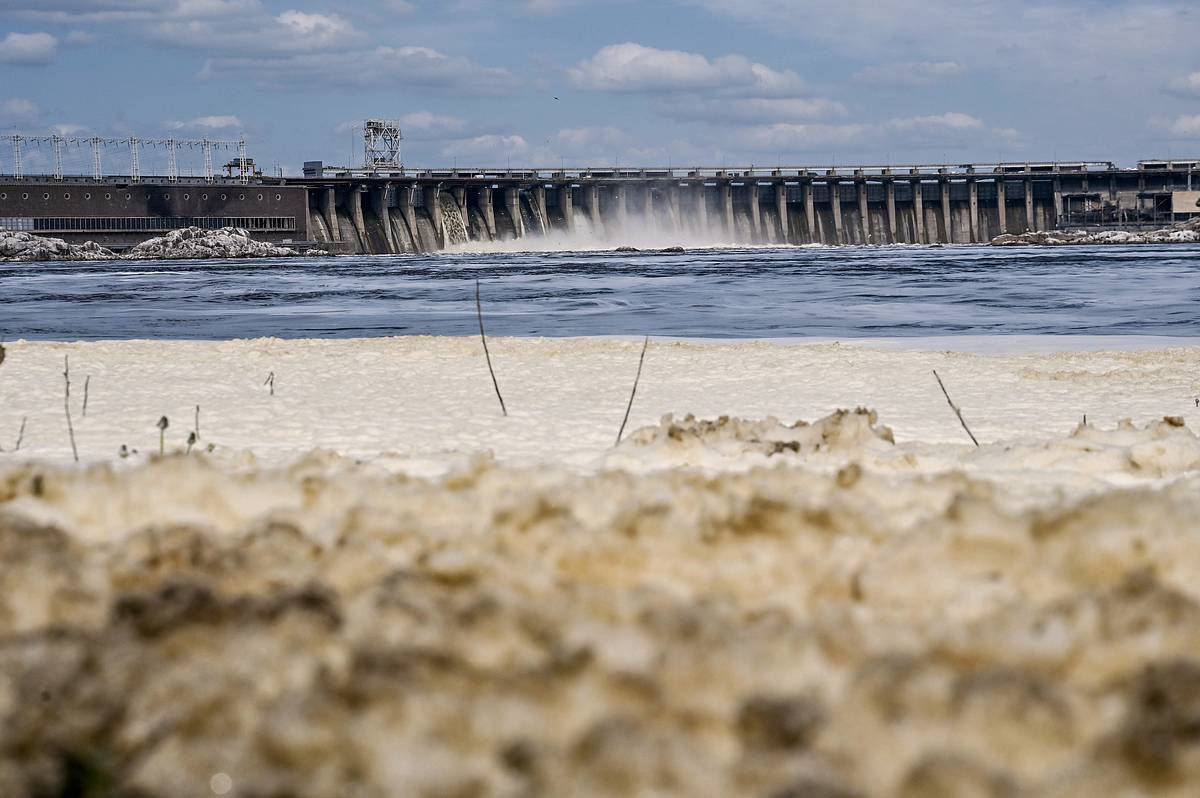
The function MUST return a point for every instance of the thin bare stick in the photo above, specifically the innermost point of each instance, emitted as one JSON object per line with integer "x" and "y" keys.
{"x": 954, "y": 407}
{"x": 271, "y": 381}
{"x": 196, "y": 428}
{"x": 67, "y": 405}
{"x": 633, "y": 393}
{"x": 21, "y": 434}
{"x": 87, "y": 383}
{"x": 486, "y": 353}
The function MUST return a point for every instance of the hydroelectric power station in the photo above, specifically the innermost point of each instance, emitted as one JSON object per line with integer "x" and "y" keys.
{"x": 383, "y": 207}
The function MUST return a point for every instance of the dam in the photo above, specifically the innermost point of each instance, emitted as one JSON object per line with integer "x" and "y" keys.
{"x": 399, "y": 210}
{"x": 939, "y": 204}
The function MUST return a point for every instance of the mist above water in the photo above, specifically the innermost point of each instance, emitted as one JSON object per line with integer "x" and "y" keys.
{"x": 637, "y": 231}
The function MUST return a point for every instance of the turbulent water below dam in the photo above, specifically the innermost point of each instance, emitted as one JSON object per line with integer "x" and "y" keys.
{"x": 718, "y": 292}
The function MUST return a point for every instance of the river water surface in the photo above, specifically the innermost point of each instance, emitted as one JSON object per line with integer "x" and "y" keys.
{"x": 719, "y": 293}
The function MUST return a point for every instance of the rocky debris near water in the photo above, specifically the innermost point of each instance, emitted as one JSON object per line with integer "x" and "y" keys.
{"x": 1184, "y": 233}
{"x": 198, "y": 243}
{"x": 24, "y": 247}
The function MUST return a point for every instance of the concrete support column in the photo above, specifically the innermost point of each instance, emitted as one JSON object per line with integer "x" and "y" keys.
{"x": 356, "y": 216}
{"x": 433, "y": 203}
{"x": 329, "y": 202}
{"x": 592, "y": 197}
{"x": 947, "y": 220}
{"x": 566, "y": 204}
{"x": 622, "y": 205}
{"x": 919, "y": 211}
{"x": 673, "y": 202}
{"x": 702, "y": 206}
{"x": 1058, "y": 202}
{"x": 781, "y": 210}
{"x": 539, "y": 200}
{"x": 727, "y": 209}
{"x": 1030, "y": 222}
{"x": 810, "y": 214}
{"x": 756, "y": 225}
{"x": 864, "y": 213}
{"x": 512, "y": 201}
{"x": 835, "y": 204}
{"x": 404, "y": 203}
{"x": 330, "y": 213}
{"x": 489, "y": 211}
{"x": 379, "y": 196}
{"x": 1002, "y": 204}
{"x": 890, "y": 191}
{"x": 973, "y": 199}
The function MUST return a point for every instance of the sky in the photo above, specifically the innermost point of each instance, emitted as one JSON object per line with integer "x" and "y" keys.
{"x": 544, "y": 83}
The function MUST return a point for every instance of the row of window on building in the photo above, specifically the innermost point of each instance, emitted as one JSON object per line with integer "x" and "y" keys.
{"x": 143, "y": 224}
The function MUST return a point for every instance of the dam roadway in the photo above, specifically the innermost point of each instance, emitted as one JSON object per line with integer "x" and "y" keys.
{"x": 426, "y": 210}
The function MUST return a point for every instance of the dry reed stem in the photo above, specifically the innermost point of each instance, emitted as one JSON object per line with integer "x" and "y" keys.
{"x": 486, "y": 353}
{"x": 633, "y": 393}
{"x": 954, "y": 407}
{"x": 67, "y": 405}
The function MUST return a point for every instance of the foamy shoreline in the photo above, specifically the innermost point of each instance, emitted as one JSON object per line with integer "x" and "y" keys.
{"x": 427, "y": 402}
{"x": 376, "y": 585}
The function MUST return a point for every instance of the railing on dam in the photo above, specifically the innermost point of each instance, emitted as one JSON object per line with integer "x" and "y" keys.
{"x": 719, "y": 172}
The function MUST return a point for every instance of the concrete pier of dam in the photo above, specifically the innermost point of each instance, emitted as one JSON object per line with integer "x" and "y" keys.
{"x": 410, "y": 211}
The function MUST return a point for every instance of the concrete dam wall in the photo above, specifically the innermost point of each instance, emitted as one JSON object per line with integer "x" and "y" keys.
{"x": 430, "y": 212}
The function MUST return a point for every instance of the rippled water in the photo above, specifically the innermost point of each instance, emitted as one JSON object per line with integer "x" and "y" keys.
{"x": 846, "y": 292}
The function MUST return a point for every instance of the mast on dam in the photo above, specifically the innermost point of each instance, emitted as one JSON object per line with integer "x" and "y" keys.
{"x": 381, "y": 145}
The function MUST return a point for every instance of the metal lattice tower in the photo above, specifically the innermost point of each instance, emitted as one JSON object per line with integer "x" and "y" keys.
{"x": 60, "y": 145}
{"x": 208, "y": 168}
{"x": 56, "y": 142}
{"x": 97, "y": 167}
{"x": 381, "y": 145}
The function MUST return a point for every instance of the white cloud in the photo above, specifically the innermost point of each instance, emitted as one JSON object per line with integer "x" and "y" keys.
{"x": 28, "y": 49}
{"x": 67, "y": 129}
{"x": 290, "y": 31}
{"x": 547, "y": 6}
{"x": 1032, "y": 31}
{"x": 1185, "y": 86}
{"x": 909, "y": 73}
{"x": 492, "y": 148}
{"x": 316, "y": 30}
{"x": 107, "y": 11}
{"x": 396, "y": 67}
{"x": 1186, "y": 127}
{"x": 18, "y": 110}
{"x": 764, "y": 110}
{"x": 399, "y": 6}
{"x": 948, "y": 121}
{"x": 79, "y": 38}
{"x": 208, "y": 123}
{"x": 632, "y": 67}
{"x": 951, "y": 129}
{"x": 428, "y": 125}
{"x": 785, "y": 137}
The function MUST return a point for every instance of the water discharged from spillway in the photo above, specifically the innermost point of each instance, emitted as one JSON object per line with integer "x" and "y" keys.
{"x": 654, "y": 228}
{"x": 455, "y": 228}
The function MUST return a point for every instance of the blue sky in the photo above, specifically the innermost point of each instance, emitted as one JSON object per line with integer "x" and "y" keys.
{"x": 685, "y": 82}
